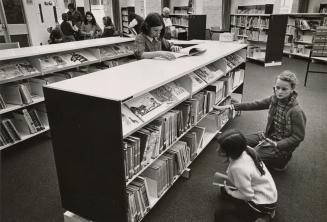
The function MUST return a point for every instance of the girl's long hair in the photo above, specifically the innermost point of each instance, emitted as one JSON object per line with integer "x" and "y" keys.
{"x": 233, "y": 143}
{"x": 93, "y": 22}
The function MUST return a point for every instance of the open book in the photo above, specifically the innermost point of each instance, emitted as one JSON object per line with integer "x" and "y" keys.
{"x": 189, "y": 51}
{"x": 219, "y": 180}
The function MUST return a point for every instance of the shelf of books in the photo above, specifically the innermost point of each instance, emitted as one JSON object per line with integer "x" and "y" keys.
{"x": 188, "y": 26}
{"x": 264, "y": 34}
{"x": 132, "y": 132}
{"x": 125, "y": 12}
{"x": 255, "y": 9}
{"x": 300, "y": 32}
{"x": 24, "y": 71}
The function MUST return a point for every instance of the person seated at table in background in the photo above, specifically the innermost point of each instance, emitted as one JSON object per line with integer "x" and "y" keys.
{"x": 135, "y": 23}
{"x": 55, "y": 35}
{"x": 252, "y": 195}
{"x": 109, "y": 28}
{"x": 67, "y": 29}
{"x": 150, "y": 42}
{"x": 167, "y": 21}
{"x": 90, "y": 28}
{"x": 285, "y": 127}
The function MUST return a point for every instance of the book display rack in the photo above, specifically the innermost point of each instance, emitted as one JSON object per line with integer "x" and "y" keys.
{"x": 187, "y": 26}
{"x": 264, "y": 35}
{"x": 128, "y": 133}
{"x": 300, "y": 31}
{"x": 125, "y": 12}
{"x": 24, "y": 71}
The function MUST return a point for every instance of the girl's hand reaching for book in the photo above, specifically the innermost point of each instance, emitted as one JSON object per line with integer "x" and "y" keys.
{"x": 166, "y": 55}
{"x": 222, "y": 108}
{"x": 175, "y": 48}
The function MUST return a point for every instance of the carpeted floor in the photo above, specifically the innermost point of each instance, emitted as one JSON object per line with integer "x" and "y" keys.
{"x": 302, "y": 188}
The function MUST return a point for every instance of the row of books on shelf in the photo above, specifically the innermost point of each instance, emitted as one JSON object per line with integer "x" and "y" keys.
{"x": 180, "y": 20}
{"x": 21, "y": 123}
{"x": 319, "y": 47}
{"x": 117, "y": 49}
{"x": 151, "y": 184}
{"x": 306, "y": 24}
{"x": 178, "y": 120}
{"x": 145, "y": 107}
{"x": 16, "y": 68}
{"x": 257, "y": 35}
{"x": 297, "y": 49}
{"x": 23, "y": 67}
{"x": 24, "y": 92}
{"x": 251, "y": 11}
{"x": 250, "y": 21}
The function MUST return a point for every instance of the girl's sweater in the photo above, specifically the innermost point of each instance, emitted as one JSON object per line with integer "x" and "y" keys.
{"x": 250, "y": 184}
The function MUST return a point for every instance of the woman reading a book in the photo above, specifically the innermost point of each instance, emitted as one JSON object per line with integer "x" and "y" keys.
{"x": 285, "y": 128}
{"x": 253, "y": 194}
{"x": 150, "y": 42}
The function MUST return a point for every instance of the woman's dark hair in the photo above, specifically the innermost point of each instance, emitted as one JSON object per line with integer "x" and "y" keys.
{"x": 93, "y": 22}
{"x": 233, "y": 143}
{"x": 64, "y": 16}
{"x": 71, "y": 5}
{"x": 107, "y": 21}
{"x": 153, "y": 20}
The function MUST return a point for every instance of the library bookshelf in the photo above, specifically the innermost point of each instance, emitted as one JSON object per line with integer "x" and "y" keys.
{"x": 300, "y": 31}
{"x": 125, "y": 12}
{"x": 188, "y": 26}
{"x": 264, "y": 34}
{"x": 30, "y": 152}
{"x": 98, "y": 165}
{"x": 22, "y": 72}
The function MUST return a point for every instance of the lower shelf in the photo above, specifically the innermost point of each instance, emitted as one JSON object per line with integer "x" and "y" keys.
{"x": 26, "y": 137}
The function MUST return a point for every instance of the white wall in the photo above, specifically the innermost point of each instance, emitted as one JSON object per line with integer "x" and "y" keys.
{"x": 37, "y": 30}
{"x": 213, "y": 10}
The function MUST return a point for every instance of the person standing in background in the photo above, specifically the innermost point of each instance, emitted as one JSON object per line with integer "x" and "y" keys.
{"x": 75, "y": 16}
{"x": 135, "y": 22}
{"x": 167, "y": 21}
{"x": 90, "y": 28}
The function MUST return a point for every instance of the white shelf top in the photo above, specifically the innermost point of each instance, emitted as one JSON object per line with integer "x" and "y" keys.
{"x": 133, "y": 79}
{"x": 61, "y": 47}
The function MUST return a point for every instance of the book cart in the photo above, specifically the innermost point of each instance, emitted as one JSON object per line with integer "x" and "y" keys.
{"x": 23, "y": 117}
{"x": 123, "y": 136}
{"x": 264, "y": 34}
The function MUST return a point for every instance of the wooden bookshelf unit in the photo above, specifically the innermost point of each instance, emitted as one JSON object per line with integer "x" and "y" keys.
{"x": 264, "y": 34}
{"x": 100, "y": 172}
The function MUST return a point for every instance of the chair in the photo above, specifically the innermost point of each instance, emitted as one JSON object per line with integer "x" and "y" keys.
{"x": 9, "y": 45}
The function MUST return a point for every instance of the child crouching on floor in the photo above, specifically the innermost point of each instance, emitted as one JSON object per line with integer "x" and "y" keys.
{"x": 255, "y": 196}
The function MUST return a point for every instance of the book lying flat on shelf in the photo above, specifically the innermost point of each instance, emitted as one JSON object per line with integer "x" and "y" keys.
{"x": 164, "y": 95}
{"x": 129, "y": 120}
{"x": 145, "y": 106}
{"x": 189, "y": 51}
